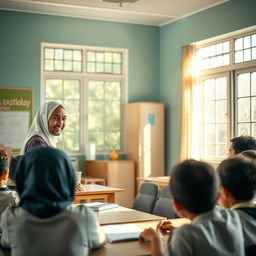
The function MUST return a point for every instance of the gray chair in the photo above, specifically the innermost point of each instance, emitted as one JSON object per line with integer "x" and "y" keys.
{"x": 163, "y": 206}
{"x": 146, "y": 198}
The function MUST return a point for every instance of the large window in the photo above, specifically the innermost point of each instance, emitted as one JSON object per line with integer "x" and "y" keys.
{"x": 227, "y": 77}
{"x": 91, "y": 83}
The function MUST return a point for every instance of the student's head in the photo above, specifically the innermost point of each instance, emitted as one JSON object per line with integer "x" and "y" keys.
{"x": 240, "y": 144}
{"x": 238, "y": 181}
{"x": 57, "y": 121}
{"x": 194, "y": 185}
{"x": 13, "y": 163}
{"x": 45, "y": 181}
{"x": 4, "y": 165}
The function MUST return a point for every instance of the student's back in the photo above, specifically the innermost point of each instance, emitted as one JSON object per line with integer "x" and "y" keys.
{"x": 45, "y": 223}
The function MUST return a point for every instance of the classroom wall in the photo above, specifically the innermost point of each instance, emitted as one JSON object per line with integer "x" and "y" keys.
{"x": 21, "y": 35}
{"x": 222, "y": 19}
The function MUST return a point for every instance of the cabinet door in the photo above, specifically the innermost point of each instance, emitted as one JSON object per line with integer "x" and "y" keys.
{"x": 121, "y": 174}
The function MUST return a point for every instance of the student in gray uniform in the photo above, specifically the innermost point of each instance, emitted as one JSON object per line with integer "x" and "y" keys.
{"x": 238, "y": 187}
{"x": 45, "y": 223}
{"x": 194, "y": 188}
{"x": 7, "y": 197}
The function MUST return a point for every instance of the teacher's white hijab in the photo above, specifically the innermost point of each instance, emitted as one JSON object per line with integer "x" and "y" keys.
{"x": 39, "y": 125}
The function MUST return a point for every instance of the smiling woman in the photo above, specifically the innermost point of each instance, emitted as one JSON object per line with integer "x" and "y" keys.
{"x": 47, "y": 125}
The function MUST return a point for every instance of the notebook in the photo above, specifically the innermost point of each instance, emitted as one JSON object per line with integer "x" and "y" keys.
{"x": 122, "y": 232}
{"x": 98, "y": 206}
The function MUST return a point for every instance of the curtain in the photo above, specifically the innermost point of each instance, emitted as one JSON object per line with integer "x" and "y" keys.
{"x": 190, "y": 112}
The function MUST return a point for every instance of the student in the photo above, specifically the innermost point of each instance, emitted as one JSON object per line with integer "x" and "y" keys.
{"x": 7, "y": 197}
{"x": 45, "y": 222}
{"x": 47, "y": 125}
{"x": 238, "y": 187}
{"x": 194, "y": 188}
{"x": 249, "y": 154}
{"x": 240, "y": 144}
{"x": 11, "y": 180}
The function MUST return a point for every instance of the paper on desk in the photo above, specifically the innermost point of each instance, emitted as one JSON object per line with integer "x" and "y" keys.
{"x": 121, "y": 232}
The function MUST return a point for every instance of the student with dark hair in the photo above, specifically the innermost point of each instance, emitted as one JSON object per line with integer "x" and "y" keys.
{"x": 249, "y": 154}
{"x": 240, "y": 144}
{"x": 45, "y": 222}
{"x": 194, "y": 187}
{"x": 11, "y": 180}
{"x": 7, "y": 197}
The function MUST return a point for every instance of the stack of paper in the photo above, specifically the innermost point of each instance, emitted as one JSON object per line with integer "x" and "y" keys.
{"x": 98, "y": 206}
{"x": 122, "y": 232}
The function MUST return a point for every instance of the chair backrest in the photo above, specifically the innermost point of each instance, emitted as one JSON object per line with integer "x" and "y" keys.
{"x": 163, "y": 206}
{"x": 146, "y": 198}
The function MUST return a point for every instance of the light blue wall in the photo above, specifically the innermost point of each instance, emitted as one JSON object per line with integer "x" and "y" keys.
{"x": 231, "y": 16}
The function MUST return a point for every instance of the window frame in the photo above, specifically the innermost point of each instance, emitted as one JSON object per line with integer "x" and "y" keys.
{"x": 84, "y": 77}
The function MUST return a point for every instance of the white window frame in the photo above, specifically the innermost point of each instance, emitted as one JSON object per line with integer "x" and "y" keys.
{"x": 84, "y": 77}
{"x": 231, "y": 70}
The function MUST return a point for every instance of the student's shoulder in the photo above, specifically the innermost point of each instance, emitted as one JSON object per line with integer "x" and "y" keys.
{"x": 81, "y": 210}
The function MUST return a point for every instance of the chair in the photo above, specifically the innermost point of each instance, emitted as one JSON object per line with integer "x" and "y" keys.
{"x": 146, "y": 198}
{"x": 163, "y": 206}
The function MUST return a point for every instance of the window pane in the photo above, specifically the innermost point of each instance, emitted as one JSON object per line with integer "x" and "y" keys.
{"x": 58, "y": 65}
{"x": 209, "y": 151}
{"x": 77, "y": 66}
{"x": 209, "y": 89}
{"x": 243, "y": 110}
{"x": 221, "y": 88}
{"x": 49, "y": 65}
{"x": 77, "y": 55}
{"x": 53, "y": 88}
{"x": 253, "y": 129}
{"x": 96, "y": 90}
{"x": 112, "y": 90}
{"x": 59, "y": 54}
{"x": 244, "y": 129}
{"x": 247, "y": 55}
{"x": 99, "y": 67}
{"x": 239, "y": 57}
{"x": 108, "y": 68}
{"x": 209, "y": 112}
{"x": 108, "y": 56}
{"x": 68, "y": 54}
{"x": 91, "y": 67}
{"x": 71, "y": 89}
{"x": 253, "y": 83}
{"x": 247, "y": 42}
{"x": 91, "y": 56}
{"x": 112, "y": 115}
{"x": 254, "y": 109}
{"x": 71, "y": 141}
{"x": 221, "y": 151}
{"x": 49, "y": 53}
{"x": 243, "y": 86}
{"x": 209, "y": 133}
{"x": 116, "y": 68}
{"x": 221, "y": 133}
{"x": 117, "y": 57}
{"x": 239, "y": 44}
{"x": 100, "y": 56}
{"x": 67, "y": 65}
{"x": 254, "y": 53}
{"x": 73, "y": 111}
{"x": 97, "y": 139}
{"x": 221, "y": 111}
{"x": 112, "y": 140}
{"x": 95, "y": 117}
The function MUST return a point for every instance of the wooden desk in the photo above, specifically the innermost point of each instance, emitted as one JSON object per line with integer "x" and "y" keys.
{"x": 93, "y": 191}
{"x": 160, "y": 180}
{"x": 135, "y": 247}
{"x": 122, "y": 215}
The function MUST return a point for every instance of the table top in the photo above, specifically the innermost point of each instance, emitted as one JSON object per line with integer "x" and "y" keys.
{"x": 93, "y": 188}
{"x": 121, "y": 215}
{"x": 129, "y": 248}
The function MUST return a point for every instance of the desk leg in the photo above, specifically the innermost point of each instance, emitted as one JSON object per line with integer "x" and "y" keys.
{"x": 111, "y": 198}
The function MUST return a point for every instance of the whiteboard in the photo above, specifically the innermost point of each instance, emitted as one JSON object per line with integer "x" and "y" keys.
{"x": 14, "y": 126}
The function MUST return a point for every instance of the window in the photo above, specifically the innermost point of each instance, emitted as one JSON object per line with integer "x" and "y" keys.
{"x": 227, "y": 77}
{"x": 91, "y": 83}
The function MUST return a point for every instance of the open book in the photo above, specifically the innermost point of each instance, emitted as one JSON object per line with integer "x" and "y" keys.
{"x": 122, "y": 232}
{"x": 98, "y": 206}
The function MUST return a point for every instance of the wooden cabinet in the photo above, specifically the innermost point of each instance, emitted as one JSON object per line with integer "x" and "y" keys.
{"x": 145, "y": 137}
{"x": 119, "y": 174}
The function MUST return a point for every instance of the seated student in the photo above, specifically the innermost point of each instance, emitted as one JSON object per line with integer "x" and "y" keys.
{"x": 249, "y": 154}
{"x": 240, "y": 144}
{"x": 45, "y": 222}
{"x": 194, "y": 188}
{"x": 11, "y": 180}
{"x": 7, "y": 197}
{"x": 238, "y": 186}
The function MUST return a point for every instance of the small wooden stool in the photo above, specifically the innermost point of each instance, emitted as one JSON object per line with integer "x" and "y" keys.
{"x": 93, "y": 180}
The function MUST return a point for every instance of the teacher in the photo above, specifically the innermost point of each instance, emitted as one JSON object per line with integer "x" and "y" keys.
{"x": 47, "y": 125}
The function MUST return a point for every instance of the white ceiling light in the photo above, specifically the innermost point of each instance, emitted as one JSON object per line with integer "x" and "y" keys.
{"x": 120, "y": 2}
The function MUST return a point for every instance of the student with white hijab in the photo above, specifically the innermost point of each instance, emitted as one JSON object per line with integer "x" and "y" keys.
{"x": 46, "y": 126}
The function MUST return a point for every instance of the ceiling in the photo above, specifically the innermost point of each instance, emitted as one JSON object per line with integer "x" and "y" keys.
{"x": 148, "y": 12}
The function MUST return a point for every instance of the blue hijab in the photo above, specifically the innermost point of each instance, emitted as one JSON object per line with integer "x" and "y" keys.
{"x": 45, "y": 181}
